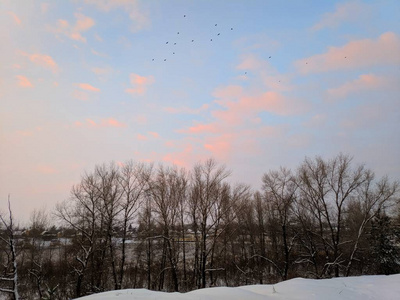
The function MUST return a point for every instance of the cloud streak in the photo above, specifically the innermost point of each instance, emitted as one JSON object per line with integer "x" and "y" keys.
{"x": 15, "y": 17}
{"x": 88, "y": 87}
{"x": 344, "y": 12}
{"x": 365, "y": 82}
{"x": 24, "y": 82}
{"x": 140, "y": 19}
{"x": 108, "y": 122}
{"x": 74, "y": 32}
{"x": 385, "y": 50}
{"x": 187, "y": 110}
{"x": 42, "y": 60}
{"x": 139, "y": 84}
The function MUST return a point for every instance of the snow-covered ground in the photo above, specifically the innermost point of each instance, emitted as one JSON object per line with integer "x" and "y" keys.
{"x": 350, "y": 288}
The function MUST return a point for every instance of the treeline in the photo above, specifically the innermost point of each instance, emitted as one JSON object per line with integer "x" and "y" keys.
{"x": 163, "y": 228}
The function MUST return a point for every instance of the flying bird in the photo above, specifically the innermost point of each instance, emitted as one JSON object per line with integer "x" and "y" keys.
{"x": 231, "y": 28}
{"x": 184, "y": 16}
{"x": 218, "y": 34}
{"x": 215, "y": 24}
{"x": 166, "y": 43}
{"x": 165, "y": 59}
{"x": 211, "y": 40}
{"x": 178, "y": 32}
{"x": 173, "y": 52}
{"x": 174, "y": 43}
{"x": 153, "y": 59}
{"x": 269, "y": 57}
{"x": 192, "y": 41}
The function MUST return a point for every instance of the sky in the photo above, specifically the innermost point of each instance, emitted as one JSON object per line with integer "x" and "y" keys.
{"x": 253, "y": 84}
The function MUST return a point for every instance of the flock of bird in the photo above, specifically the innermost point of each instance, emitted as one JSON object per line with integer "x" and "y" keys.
{"x": 174, "y": 43}
{"x": 192, "y": 41}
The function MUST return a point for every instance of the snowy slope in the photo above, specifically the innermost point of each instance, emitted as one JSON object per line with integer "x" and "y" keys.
{"x": 350, "y": 288}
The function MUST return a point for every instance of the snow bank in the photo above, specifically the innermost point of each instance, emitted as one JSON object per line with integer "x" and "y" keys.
{"x": 350, "y": 288}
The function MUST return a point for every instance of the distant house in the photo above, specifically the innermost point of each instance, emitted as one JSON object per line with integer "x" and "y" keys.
{"x": 48, "y": 236}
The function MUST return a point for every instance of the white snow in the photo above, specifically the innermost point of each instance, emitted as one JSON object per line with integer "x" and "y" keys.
{"x": 346, "y": 288}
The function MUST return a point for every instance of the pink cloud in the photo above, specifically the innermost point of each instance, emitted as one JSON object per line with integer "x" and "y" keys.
{"x": 44, "y": 7}
{"x": 186, "y": 110}
{"x": 88, "y": 87}
{"x": 355, "y": 54}
{"x": 98, "y": 53}
{"x": 201, "y": 128}
{"x": 63, "y": 23}
{"x": 139, "y": 90}
{"x": 83, "y": 22}
{"x": 120, "y": 164}
{"x": 139, "y": 18}
{"x": 154, "y": 134}
{"x": 169, "y": 144}
{"x": 91, "y": 122}
{"x": 23, "y": 81}
{"x": 42, "y": 60}
{"x": 221, "y": 146}
{"x": 252, "y": 62}
{"x": 139, "y": 83}
{"x": 98, "y": 38}
{"x": 242, "y": 140}
{"x": 109, "y": 122}
{"x": 236, "y": 126}
{"x": 317, "y": 120}
{"x": 141, "y": 119}
{"x": 141, "y": 137}
{"x": 45, "y": 169}
{"x": 182, "y": 158}
{"x": 74, "y": 32}
{"x": 348, "y": 11}
{"x": 248, "y": 107}
{"x": 29, "y": 132}
{"x": 136, "y": 79}
{"x": 364, "y": 82}
{"x": 15, "y": 17}
{"x": 102, "y": 71}
{"x": 82, "y": 96}
{"x": 262, "y": 74}
{"x": 228, "y": 92}
{"x": 25, "y": 132}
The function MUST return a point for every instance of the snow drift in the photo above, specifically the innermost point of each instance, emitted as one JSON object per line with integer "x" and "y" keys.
{"x": 347, "y": 288}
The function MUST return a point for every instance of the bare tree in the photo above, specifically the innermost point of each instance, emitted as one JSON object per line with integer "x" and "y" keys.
{"x": 10, "y": 273}
{"x": 371, "y": 199}
{"x": 82, "y": 214}
{"x": 164, "y": 189}
{"x": 326, "y": 188}
{"x": 133, "y": 181}
{"x": 207, "y": 186}
{"x": 110, "y": 193}
{"x": 280, "y": 194}
{"x": 39, "y": 222}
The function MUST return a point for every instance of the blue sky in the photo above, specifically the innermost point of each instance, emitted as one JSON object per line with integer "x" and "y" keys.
{"x": 79, "y": 87}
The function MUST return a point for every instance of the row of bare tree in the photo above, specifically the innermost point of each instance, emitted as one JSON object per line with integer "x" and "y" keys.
{"x": 171, "y": 229}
